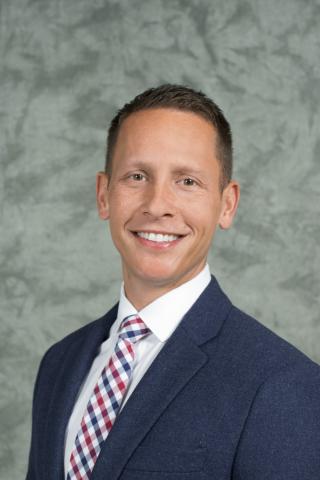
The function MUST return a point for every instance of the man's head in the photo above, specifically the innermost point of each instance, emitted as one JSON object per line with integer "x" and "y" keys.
{"x": 178, "y": 97}
{"x": 164, "y": 196}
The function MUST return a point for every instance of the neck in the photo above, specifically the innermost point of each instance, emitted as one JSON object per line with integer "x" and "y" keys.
{"x": 142, "y": 292}
{"x": 138, "y": 300}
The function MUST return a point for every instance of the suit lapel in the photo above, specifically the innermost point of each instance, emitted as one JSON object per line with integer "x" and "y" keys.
{"x": 175, "y": 365}
{"x": 178, "y": 361}
{"x": 77, "y": 362}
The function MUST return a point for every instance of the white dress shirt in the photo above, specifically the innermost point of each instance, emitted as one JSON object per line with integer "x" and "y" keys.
{"x": 162, "y": 317}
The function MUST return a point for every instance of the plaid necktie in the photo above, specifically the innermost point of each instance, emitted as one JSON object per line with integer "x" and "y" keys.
{"x": 106, "y": 400}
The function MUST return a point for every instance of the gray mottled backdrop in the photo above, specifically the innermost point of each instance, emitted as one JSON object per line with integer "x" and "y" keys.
{"x": 66, "y": 66}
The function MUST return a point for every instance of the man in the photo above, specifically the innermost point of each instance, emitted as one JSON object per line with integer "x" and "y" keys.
{"x": 174, "y": 382}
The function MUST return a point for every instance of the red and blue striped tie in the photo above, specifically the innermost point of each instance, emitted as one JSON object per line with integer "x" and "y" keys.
{"x": 106, "y": 400}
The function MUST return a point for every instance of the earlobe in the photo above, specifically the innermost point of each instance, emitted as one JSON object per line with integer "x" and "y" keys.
{"x": 230, "y": 201}
{"x": 102, "y": 195}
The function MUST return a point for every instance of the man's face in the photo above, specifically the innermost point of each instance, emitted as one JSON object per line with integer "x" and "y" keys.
{"x": 163, "y": 199}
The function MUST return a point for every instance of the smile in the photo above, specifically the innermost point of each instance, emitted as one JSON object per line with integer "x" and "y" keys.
{"x": 158, "y": 237}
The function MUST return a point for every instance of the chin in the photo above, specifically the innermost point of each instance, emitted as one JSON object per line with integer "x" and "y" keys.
{"x": 158, "y": 276}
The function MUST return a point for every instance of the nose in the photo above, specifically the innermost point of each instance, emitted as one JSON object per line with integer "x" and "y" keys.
{"x": 159, "y": 201}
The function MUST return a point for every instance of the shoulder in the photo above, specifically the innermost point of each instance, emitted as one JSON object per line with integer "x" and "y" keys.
{"x": 243, "y": 347}
{"x": 92, "y": 333}
{"x": 250, "y": 355}
{"x": 258, "y": 344}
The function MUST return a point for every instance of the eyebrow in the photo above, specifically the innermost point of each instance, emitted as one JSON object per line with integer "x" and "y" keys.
{"x": 180, "y": 170}
{"x": 190, "y": 170}
{"x": 139, "y": 165}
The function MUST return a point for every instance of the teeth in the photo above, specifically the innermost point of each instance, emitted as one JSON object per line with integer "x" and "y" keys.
{"x": 157, "y": 237}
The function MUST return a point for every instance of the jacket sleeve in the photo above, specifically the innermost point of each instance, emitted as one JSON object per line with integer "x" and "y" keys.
{"x": 281, "y": 436}
{"x": 32, "y": 473}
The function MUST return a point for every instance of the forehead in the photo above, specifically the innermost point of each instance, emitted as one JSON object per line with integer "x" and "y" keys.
{"x": 167, "y": 130}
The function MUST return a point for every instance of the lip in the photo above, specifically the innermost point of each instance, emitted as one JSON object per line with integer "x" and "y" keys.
{"x": 157, "y": 245}
{"x": 161, "y": 232}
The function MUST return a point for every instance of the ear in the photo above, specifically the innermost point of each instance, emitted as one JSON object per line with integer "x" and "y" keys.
{"x": 230, "y": 201}
{"x": 102, "y": 195}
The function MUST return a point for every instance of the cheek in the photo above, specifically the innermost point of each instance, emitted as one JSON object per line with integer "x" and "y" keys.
{"x": 204, "y": 218}
{"x": 122, "y": 208}
{"x": 117, "y": 216}
{"x": 124, "y": 199}
{"x": 119, "y": 206}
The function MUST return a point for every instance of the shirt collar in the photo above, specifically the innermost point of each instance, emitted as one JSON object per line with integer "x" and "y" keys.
{"x": 163, "y": 315}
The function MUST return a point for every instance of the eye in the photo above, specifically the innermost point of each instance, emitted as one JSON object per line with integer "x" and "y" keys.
{"x": 138, "y": 177}
{"x": 189, "y": 182}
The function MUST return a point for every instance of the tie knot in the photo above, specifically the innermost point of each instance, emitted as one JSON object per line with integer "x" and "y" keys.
{"x": 133, "y": 329}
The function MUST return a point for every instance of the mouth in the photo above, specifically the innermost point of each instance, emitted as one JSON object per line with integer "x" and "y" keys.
{"x": 157, "y": 239}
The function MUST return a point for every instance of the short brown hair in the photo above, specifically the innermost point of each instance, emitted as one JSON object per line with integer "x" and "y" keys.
{"x": 183, "y": 98}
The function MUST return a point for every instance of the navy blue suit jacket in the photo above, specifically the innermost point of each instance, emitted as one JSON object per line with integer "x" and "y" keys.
{"x": 224, "y": 399}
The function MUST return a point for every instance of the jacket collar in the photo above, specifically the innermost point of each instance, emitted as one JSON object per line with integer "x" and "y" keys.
{"x": 205, "y": 318}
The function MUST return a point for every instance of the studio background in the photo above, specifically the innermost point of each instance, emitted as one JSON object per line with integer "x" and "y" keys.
{"x": 66, "y": 67}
